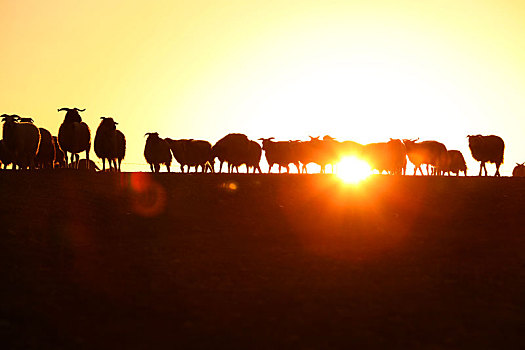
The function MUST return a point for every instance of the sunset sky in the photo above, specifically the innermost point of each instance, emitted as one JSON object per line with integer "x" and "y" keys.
{"x": 359, "y": 70}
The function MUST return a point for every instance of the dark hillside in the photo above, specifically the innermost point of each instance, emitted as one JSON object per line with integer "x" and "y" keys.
{"x": 136, "y": 260}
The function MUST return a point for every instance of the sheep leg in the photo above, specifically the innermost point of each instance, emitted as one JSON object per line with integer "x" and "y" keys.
{"x": 497, "y": 169}
{"x": 151, "y": 168}
{"x": 103, "y": 164}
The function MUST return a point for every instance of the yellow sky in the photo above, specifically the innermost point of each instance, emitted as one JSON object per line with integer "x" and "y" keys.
{"x": 358, "y": 70}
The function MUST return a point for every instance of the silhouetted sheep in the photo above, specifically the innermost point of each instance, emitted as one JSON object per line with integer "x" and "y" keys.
{"x": 254, "y": 157}
{"x": 45, "y": 158}
{"x": 84, "y": 164}
{"x": 105, "y": 142}
{"x": 121, "y": 148}
{"x": 487, "y": 149}
{"x": 233, "y": 149}
{"x": 519, "y": 170}
{"x": 60, "y": 157}
{"x": 189, "y": 152}
{"x": 5, "y": 155}
{"x": 157, "y": 152}
{"x": 386, "y": 156}
{"x": 74, "y": 135}
{"x": 282, "y": 153}
{"x": 22, "y": 140}
{"x": 431, "y": 153}
{"x": 455, "y": 163}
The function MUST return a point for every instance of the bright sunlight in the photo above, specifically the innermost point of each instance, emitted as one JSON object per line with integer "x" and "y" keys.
{"x": 353, "y": 170}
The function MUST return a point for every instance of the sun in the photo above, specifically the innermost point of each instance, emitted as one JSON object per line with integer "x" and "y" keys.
{"x": 353, "y": 170}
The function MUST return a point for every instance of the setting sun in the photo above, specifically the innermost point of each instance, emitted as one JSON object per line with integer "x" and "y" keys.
{"x": 353, "y": 170}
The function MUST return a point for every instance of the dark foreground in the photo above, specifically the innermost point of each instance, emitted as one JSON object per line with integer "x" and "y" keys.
{"x": 218, "y": 261}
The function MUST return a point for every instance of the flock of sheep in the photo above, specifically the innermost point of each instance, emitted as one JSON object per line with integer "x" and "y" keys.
{"x": 24, "y": 145}
{"x": 390, "y": 157}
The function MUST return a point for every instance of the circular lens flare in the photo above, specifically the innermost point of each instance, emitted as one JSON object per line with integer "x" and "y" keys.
{"x": 353, "y": 170}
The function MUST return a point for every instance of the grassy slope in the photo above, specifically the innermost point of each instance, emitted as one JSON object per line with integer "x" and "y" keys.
{"x": 142, "y": 261}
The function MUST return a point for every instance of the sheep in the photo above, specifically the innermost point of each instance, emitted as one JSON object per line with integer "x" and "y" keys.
{"x": 519, "y": 170}
{"x": 281, "y": 153}
{"x": 45, "y": 158}
{"x": 22, "y": 140}
{"x": 60, "y": 158}
{"x": 233, "y": 149}
{"x": 105, "y": 143}
{"x": 310, "y": 152}
{"x": 157, "y": 152}
{"x": 431, "y": 153}
{"x": 74, "y": 135}
{"x": 455, "y": 163}
{"x": 121, "y": 148}
{"x": 84, "y": 164}
{"x": 253, "y": 158}
{"x": 5, "y": 155}
{"x": 189, "y": 152}
{"x": 386, "y": 156}
{"x": 487, "y": 149}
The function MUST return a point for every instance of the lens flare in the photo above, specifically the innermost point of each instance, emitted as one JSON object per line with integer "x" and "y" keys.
{"x": 353, "y": 170}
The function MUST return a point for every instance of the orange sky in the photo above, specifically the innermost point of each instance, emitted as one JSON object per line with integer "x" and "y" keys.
{"x": 358, "y": 70}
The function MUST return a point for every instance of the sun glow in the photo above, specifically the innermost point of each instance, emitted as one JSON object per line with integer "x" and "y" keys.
{"x": 353, "y": 170}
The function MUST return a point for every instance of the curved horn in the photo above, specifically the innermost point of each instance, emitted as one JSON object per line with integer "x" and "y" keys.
{"x": 79, "y": 110}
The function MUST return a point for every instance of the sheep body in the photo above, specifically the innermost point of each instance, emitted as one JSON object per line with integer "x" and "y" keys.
{"x": 519, "y": 170}
{"x": 22, "y": 140}
{"x": 282, "y": 153}
{"x": 5, "y": 155}
{"x": 455, "y": 163}
{"x": 487, "y": 149}
{"x": 189, "y": 152}
{"x": 74, "y": 135}
{"x": 105, "y": 143}
{"x": 121, "y": 148}
{"x": 231, "y": 149}
{"x": 431, "y": 153}
{"x": 84, "y": 164}
{"x": 156, "y": 152}
{"x": 45, "y": 158}
{"x": 386, "y": 156}
{"x": 253, "y": 158}
{"x": 60, "y": 158}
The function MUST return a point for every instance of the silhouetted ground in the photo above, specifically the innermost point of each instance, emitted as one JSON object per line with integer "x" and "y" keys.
{"x": 136, "y": 260}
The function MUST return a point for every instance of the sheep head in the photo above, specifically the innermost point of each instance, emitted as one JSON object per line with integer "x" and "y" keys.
{"x": 72, "y": 114}
{"x": 10, "y": 118}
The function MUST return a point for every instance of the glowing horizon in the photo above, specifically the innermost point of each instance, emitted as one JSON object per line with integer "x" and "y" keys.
{"x": 355, "y": 70}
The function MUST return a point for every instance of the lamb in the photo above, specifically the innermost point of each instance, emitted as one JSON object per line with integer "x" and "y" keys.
{"x": 431, "y": 153}
{"x": 281, "y": 153}
{"x": 455, "y": 163}
{"x": 487, "y": 149}
{"x": 74, "y": 135}
{"x": 121, "y": 148}
{"x": 519, "y": 170}
{"x": 60, "y": 158}
{"x": 189, "y": 152}
{"x": 233, "y": 149}
{"x": 45, "y": 158}
{"x": 84, "y": 164}
{"x": 157, "y": 152}
{"x": 22, "y": 140}
{"x": 105, "y": 142}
